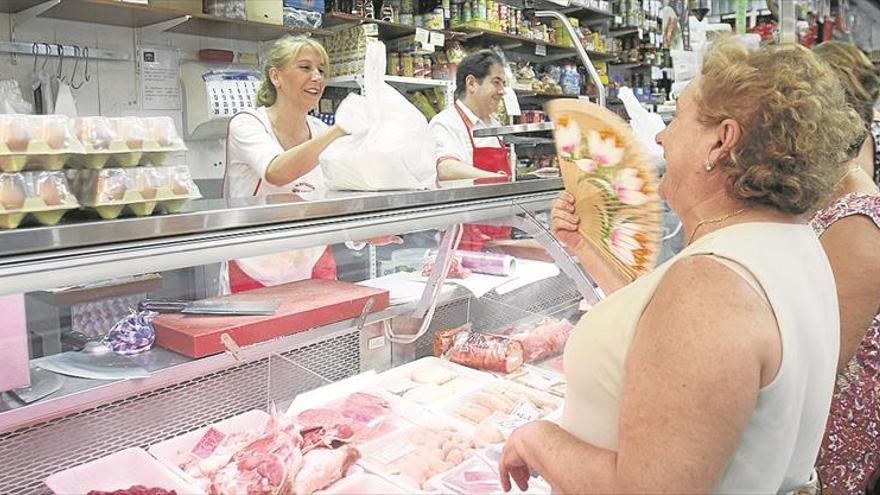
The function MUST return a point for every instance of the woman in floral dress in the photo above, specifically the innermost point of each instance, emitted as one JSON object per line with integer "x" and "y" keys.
{"x": 849, "y": 229}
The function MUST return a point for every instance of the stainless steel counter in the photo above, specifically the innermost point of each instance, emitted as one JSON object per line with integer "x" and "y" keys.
{"x": 219, "y": 215}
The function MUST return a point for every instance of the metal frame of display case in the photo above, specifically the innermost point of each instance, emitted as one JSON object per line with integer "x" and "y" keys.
{"x": 213, "y": 233}
{"x": 210, "y": 233}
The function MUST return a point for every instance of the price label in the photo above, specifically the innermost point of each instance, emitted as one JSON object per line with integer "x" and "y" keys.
{"x": 541, "y": 50}
{"x": 437, "y": 38}
{"x": 209, "y": 442}
{"x": 423, "y": 36}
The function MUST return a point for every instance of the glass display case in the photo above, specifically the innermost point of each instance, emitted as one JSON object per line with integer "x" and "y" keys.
{"x": 390, "y": 275}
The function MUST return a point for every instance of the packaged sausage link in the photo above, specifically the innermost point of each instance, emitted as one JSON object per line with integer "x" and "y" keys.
{"x": 44, "y": 196}
{"x": 486, "y": 352}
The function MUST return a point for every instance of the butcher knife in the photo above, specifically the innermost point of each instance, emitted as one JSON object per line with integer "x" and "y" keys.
{"x": 96, "y": 362}
{"x": 210, "y": 307}
{"x": 43, "y": 384}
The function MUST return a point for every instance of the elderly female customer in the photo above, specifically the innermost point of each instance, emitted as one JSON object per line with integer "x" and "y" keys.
{"x": 862, "y": 85}
{"x": 714, "y": 372}
{"x": 849, "y": 226}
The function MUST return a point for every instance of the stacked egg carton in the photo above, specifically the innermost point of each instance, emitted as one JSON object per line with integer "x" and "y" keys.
{"x": 33, "y": 150}
{"x": 104, "y": 154}
{"x": 107, "y": 178}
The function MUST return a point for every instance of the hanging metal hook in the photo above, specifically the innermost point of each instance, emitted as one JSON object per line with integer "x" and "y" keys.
{"x": 60, "y": 74}
{"x": 35, "y": 50}
{"x": 76, "y": 55}
{"x": 87, "y": 77}
{"x": 48, "y": 52}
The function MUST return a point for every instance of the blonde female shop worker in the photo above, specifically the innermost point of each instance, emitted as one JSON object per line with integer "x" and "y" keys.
{"x": 274, "y": 148}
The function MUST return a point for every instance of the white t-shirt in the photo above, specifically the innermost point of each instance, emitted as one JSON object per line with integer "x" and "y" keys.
{"x": 251, "y": 146}
{"x": 452, "y": 137}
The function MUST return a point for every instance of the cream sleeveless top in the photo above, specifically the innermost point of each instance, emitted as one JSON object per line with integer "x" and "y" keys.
{"x": 778, "y": 448}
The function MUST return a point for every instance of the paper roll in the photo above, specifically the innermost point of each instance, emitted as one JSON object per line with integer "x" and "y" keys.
{"x": 488, "y": 263}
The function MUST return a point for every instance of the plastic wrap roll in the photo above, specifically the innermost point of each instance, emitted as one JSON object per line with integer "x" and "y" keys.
{"x": 488, "y": 263}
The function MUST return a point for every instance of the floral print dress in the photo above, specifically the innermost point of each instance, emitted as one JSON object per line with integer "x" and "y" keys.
{"x": 850, "y": 452}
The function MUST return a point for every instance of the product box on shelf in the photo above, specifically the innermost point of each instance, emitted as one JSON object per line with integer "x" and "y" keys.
{"x": 140, "y": 190}
{"x": 302, "y": 18}
{"x": 313, "y": 5}
{"x": 39, "y": 142}
{"x": 43, "y": 195}
{"x": 268, "y": 11}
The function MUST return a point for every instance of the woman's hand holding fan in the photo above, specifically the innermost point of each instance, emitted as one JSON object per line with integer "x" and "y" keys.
{"x": 613, "y": 187}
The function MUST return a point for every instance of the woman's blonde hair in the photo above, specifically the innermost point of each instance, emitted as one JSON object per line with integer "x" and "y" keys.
{"x": 797, "y": 128}
{"x": 856, "y": 72}
{"x": 283, "y": 51}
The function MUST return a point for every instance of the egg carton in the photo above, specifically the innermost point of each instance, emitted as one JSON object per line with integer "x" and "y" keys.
{"x": 137, "y": 191}
{"x": 125, "y": 141}
{"x": 43, "y": 196}
{"x": 36, "y": 142}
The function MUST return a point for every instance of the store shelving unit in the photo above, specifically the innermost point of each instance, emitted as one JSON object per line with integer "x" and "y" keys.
{"x": 402, "y": 84}
{"x": 116, "y": 13}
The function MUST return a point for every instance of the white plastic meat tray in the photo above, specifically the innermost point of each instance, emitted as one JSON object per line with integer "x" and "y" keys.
{"x": 398, "y": 381}
{"x": 121, "y": 470}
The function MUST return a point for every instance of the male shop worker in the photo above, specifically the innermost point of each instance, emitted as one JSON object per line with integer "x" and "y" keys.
{"x": 479, "y": 87}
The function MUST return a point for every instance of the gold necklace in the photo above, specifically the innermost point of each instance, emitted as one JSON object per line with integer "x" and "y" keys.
{"x": 715, "y": 220}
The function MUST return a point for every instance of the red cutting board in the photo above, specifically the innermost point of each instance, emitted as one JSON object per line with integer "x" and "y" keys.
{"x": 304, "y": 305}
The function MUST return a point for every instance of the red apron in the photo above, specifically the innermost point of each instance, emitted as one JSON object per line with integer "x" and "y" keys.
{"x": 490, "y": 159}
{"x": 239, "y": 281}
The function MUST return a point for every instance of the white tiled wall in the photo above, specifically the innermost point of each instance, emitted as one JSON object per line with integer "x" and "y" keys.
{"x": 113, "y": 89}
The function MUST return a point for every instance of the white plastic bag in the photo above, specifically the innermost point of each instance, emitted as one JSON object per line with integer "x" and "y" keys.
{"x": 645, "y": 125}
{"x": 13, "y": 101}
{"x": 396, "y": 152}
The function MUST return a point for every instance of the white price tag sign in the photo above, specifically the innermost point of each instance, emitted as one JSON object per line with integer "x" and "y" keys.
{"x": 437, "y": 38}
{"x": 423, "y": 36}
{"x": 541, "y": 50}
{"x": 511, "y": 103}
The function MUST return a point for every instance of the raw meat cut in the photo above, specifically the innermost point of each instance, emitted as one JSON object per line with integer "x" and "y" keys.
{"x": 368, "y": 417}
{"x": 135, "y": 490}
{"x": 269, "y": 460}
{"x": 545, "y": 339}
{"x": 322, "y": 467}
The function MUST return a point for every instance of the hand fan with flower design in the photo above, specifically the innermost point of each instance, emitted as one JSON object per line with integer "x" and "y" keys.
{"x": 613, "y": 183}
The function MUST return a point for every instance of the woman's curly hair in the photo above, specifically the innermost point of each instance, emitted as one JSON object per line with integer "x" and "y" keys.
{"x": 857, "y": 74}
{"x": 797, "y": 127}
